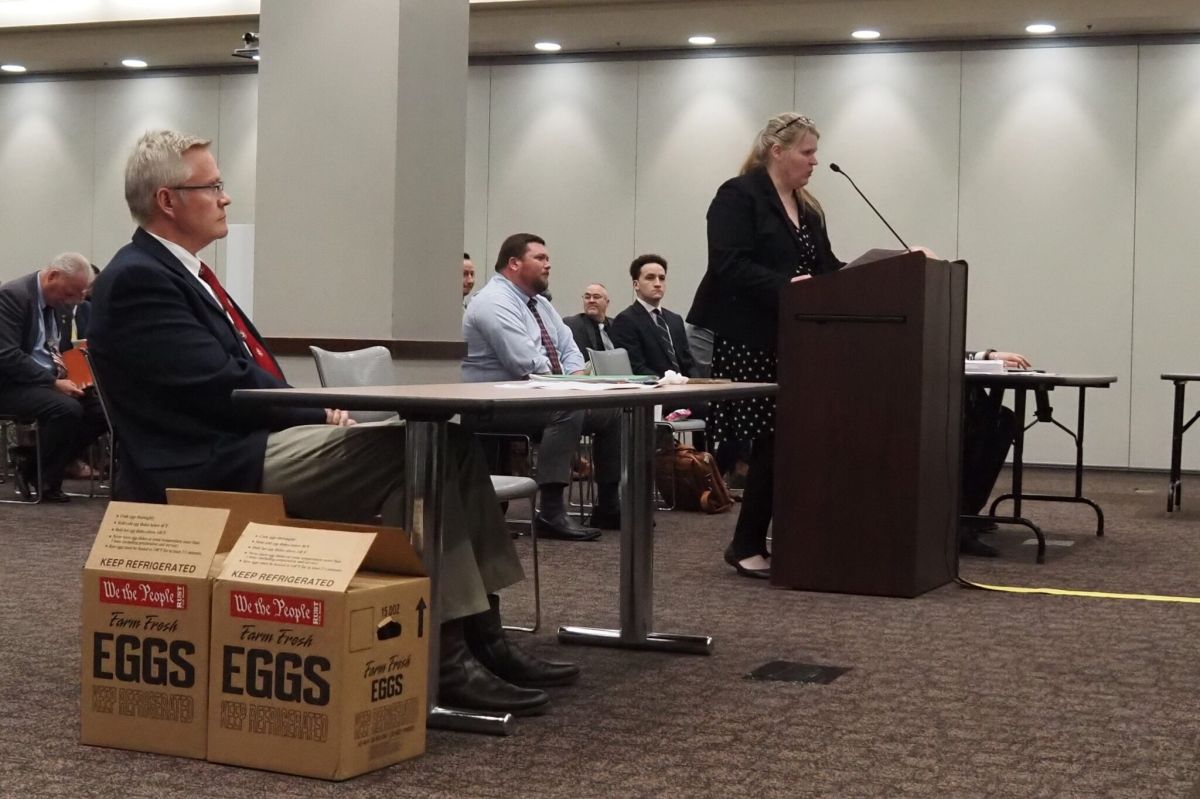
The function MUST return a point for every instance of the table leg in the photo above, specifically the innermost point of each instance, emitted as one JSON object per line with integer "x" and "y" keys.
{"x": 1174, "y": 488}
{"x": 637, "y": 552}
{"x": 424, "y": 476}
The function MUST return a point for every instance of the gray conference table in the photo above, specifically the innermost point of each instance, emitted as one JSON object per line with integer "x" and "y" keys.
{"x": 427, "y": 410}
{"x": 1041, "y": 383}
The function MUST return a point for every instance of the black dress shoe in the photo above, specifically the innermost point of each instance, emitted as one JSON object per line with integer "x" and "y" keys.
{"x": 969, "y": 544}
{"x": 606, "y": 519}
{"x": 491, "y": 645}
{"x": 564, "y": 528}
{"x": 732, "y": 560}
{"x": 54, "y": 495}
{"x": 466, "y": 684}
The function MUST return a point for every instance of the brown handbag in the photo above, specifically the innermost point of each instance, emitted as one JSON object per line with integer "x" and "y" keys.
{"x": 690, "y": 480}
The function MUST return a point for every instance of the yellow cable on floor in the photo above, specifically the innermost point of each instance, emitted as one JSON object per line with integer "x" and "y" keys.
{"x": 1093, "y": 594}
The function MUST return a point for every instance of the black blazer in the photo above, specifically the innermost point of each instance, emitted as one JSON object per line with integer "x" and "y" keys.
{"x": 634, "y": 329}
{"x": 587, "y": 332}
{"x": 168, "y": 359}
{"x": 752, "y": 255}
{"x": 19, "y": 325}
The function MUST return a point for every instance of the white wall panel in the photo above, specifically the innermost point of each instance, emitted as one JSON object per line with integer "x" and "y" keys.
{"x": 562, "y": 166}
{"x": 1047, "y": 186}
{"x": 696, "y": 121}
{"x": 1167, "y": 280}
{"x": 475, "y": 238}
{"x": 46, "y": 164}
{"x": 125, "y": 109}
{"x": 891, "y": 121}
{"x": 236, "y": 146}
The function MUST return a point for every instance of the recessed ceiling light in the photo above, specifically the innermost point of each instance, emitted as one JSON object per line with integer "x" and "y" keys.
{"x": 865, "y": 34}
{"x": 701, "y": 40}
{"x": 1040, "y": 27}
{"x": 548, "y": 47}
{"x": 12, "y": 67}
{"x": 133, "y": 63}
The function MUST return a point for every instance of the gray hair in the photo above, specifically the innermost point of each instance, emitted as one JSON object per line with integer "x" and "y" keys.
{"x": 70, "y": 263}
{"x": 156, "y": 161}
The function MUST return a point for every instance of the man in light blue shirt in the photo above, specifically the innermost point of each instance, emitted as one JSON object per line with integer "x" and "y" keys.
{"x": 512, "y": 331}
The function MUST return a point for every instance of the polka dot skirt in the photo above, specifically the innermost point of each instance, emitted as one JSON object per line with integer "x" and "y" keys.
{"x": 747, "y": 419}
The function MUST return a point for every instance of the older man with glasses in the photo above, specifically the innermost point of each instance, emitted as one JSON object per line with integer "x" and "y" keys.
{"x": 170, "y": 346}
{"x": 33, "y": 380}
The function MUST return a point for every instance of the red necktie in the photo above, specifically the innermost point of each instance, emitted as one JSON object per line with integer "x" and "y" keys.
{"x": 257, "y": 350}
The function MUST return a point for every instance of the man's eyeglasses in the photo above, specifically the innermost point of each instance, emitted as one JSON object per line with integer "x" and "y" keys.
{"x": 215, "y": 188}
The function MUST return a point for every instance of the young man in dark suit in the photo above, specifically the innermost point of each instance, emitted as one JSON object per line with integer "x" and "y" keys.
{"x": 654, "y": 337}
{"x": 592, "y": 328}
{"x": 33, "y": 379}
{"x": 170, "y": 346}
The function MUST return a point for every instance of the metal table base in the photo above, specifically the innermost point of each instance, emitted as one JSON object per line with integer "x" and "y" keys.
{"x": 637, "y": 553}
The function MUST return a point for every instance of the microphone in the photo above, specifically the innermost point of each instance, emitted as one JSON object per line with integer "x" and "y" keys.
{"x": 838, "y": 169}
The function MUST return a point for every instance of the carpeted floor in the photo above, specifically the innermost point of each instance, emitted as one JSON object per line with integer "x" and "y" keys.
{"x": 958, "y": 693}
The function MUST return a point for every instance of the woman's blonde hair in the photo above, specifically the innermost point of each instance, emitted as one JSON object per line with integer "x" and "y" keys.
{"x": 786, "y": 130}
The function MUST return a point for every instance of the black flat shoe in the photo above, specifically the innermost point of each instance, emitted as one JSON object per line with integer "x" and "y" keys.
{"x": 732, "y": 560}
{"x": 564, "y": 528}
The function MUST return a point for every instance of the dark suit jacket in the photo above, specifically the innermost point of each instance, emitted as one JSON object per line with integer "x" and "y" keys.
{"x": 19, "y": 315}
{"x": 635, "y": 330}
{"x": 752, "y": 255}
{"x": 168, "y": 359}
{"x": 81, "y": 315}
{"x": 587, "y": 332}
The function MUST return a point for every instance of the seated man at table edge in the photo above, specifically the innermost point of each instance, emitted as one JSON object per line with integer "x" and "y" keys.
{"x": 988, "y": 431}
{"x": 512, "y": 331}
{"x": 170, "y": 346}
{"x": 34, "y": 383}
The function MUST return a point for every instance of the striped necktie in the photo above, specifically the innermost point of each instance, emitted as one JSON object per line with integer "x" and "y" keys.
{"x": 664, "y": 338}
{"x": 547, "y": 343}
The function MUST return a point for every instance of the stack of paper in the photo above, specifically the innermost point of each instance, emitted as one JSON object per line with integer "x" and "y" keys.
{"x": 984, "y": 367}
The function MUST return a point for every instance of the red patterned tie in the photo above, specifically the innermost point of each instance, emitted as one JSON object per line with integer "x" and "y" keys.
{"x": 547, "y": 344}
{"x": 261, "y": 356}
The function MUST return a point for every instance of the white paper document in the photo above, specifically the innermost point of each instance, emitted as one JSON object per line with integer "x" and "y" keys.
{"x": 567, "y": 385}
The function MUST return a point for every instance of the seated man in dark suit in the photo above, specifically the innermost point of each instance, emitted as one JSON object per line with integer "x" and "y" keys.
{"x": 33, "y": 379}
{"x": 988, "y": 431}
{"x": 170, "y": 346}
{"x": 592, "y": 328}
{"x": 655, "y": 338}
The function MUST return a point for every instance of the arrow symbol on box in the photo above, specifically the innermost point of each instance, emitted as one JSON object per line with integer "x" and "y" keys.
{"x": 421, "y": 617}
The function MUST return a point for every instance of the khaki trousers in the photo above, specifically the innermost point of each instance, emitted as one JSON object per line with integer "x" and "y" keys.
{"x": 353, "y": 474}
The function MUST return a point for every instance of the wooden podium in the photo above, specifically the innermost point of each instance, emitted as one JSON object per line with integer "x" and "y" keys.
{"x": 868, "y": 420}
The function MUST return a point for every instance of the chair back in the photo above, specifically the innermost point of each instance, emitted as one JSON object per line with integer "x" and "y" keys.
{"x": 371, "y": 366}
{"x": 610, "y": 362}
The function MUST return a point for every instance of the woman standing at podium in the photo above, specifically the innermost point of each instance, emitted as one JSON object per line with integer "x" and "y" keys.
{"x": 764, "y": 231}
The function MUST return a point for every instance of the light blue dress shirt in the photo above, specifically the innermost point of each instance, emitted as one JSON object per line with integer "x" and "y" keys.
{"x": 40, "y": 354}
{"x": 503, "y": 339}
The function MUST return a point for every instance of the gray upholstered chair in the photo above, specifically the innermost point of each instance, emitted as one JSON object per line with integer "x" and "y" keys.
{"x": 366, "y": 367}
{"x": 372, "y": 366}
